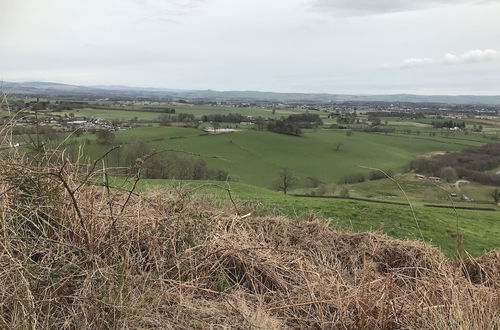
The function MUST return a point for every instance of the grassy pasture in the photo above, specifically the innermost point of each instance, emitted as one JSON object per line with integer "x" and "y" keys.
{"x": 422, "y": 191}
{"x": 256, "y": 157}
{"x": 130, "y": 112}
{"x": 115, "y": 114}
{"x": 199, "y": 110}
{"x": 481, "y": 229}
{"x": 407, "y": 123}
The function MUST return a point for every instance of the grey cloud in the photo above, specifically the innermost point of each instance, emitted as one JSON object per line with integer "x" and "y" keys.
{"x": 471, "y": 56}
{"x": 415, "y": 62}
{"x": 167, "y": 11}
{"x": 253, "y": 44}
{"x": 370, "y": 7}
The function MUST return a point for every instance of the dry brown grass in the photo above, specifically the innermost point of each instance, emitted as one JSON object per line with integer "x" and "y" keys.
{"x": 103, "y": 258}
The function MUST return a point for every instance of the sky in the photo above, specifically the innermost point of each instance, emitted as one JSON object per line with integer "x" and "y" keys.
{"x": 319, "y": 46}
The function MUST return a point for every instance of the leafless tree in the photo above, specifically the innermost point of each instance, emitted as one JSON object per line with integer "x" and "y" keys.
{"x": 287, "y": 180}
{"x": 495, "y": 194}
{"x": 338, "y": 145}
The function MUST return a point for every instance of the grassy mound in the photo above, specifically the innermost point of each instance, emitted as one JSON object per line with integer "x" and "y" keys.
{"x": 78, "y": 255}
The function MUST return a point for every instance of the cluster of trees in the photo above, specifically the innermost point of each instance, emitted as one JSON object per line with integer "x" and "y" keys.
{"x": 154, "y": 164}
{"x": 229, "y": 118}
{"x": 352, "y": 178}
{"x": 378, "y": 175}
{"x": 479, "y": 177}
{"x": 43, "y": 132}
{"x": 495, "y": 194}
{"x": 448, "y": 124}
{"x": 283, "y": 127}
{"x": 291, "y": 125}
{"x": 347, "y": 118}
{"x": 360, "y": 177}
{"x": 167, "y": 165}
{"x": 69, "y": 105}
{"x": 320, "y": 188}
{"x": 477, "y": 128}
{"x": 104, "y": 137}
{"x": 305, "y": 120}
{"x": 172, "y": 166}
{"x": 288, "y": 180}
{"x": 470, "y": 164}
{"x": 166, "y": 119}
{"x": 375, "y": 121}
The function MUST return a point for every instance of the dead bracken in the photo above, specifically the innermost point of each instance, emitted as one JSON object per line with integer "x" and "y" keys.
{"x": 78, "y": 254}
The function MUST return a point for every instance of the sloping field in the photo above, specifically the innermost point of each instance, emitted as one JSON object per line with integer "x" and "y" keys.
{"x": 256, "y": 157}
{"x": 479, "y": 230}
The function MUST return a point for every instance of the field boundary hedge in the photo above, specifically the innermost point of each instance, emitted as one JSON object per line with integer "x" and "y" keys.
{"x": 354, "y": 198}
{"x": 471, "y": 208}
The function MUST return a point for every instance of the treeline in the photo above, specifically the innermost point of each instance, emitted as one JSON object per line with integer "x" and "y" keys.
{"x": 162, "y": 110}
{"x": 470, "y": 164}
{"x": 69, "y": 105}
{"x": 172, "y": 166}
{"x": 406, "y": 115}
{"x": 166, "y": 119}
{"x": 229, "y": 118}
{"x": 448, "y": 124}
{"x": 283, "y": 127}
{"x": 41, "y": 132}
{"x": 145, "y": 109}
{"x": 374, "y": 129}
{"x": 360, "y": 177}
{"x": 305, "y": 120}
{"x": 348, "y": 118}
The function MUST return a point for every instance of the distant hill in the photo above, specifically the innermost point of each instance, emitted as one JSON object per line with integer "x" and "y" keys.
{"x": 50, "y": 89}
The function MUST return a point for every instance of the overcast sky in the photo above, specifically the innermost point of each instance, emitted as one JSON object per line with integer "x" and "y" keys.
{"x": 334, "y": 46}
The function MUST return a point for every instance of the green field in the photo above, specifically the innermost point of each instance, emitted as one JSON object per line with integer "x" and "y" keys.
{"x": 256, "y": 157}
{"x": 420, "y": 192}
{"x": 480, "y": 229}
{"x": 130, "y": 112}
{"x": 199, "y": 110}
{"x": 116, "y": 114}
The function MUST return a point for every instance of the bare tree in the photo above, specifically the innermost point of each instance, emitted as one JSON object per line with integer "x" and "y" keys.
{"x": 495, "y": 194}
{"x": 344, "y": 191}
{"x": 215, "y": 126}
{"x": 287, "y": 180}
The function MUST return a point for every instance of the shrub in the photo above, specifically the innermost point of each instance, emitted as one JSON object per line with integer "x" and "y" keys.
{"x": 449, "y": 174}
{"x": 104, "y": 137}
{"x": 352, "y": 178}
{"x": 312, "y": 182}
{"x": 378, "y": 175}
{"x": 325, "y": 189}
{"x": 344, "y": 191}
